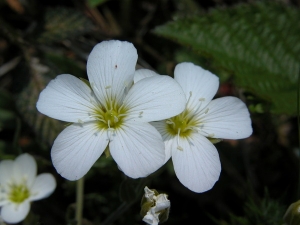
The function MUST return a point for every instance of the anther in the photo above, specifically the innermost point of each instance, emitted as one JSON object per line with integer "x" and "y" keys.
{"x": 169, "y": 122}
{"x": 107, "y": 87}
{"x": 206, "y": 111}
{"x": 80, "y": 121}
{"x": 179, "y": 148}
{"x": 140, "y": 114}
{"x": 201, "y": 99}
{"x": 211, "y": 135}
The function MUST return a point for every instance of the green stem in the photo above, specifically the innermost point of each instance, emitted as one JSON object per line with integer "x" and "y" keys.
{"x": 126, "y": 205}
{"x": 79, "y": 200}
{"x": 298, "y": 117}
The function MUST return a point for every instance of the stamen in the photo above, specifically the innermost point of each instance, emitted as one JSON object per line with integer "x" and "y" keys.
{"x": 140, "y": 114}
{"x": 191, "y": 93}
{"x": 211, "y": 135}
{"x": 80, "y": 121}
{"x": 201, "y": 99}
{"x": 116, "y": 119}
{"x": 178, "y": 136}
{"x": 169, "y": 122}
{"x": 206, "y": 111}
{"x": 107, "y": 87}
{"x": 109, "y": 133}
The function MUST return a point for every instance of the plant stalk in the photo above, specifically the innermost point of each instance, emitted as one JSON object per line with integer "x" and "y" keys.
{"x": 79, "y": 200}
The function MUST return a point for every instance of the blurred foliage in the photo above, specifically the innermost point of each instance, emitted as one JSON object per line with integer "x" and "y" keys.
{"x": 63, "y": 23}
{"x": 253, "y": 46}
{"x": 263, "y": 212}
{"x": 258, "y": 43}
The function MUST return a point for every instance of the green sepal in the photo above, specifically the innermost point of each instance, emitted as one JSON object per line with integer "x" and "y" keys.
{"x": 214, "y": 140}
{"x": 107, "y": 152}
{"x": 86, "y": 82}
{"x": 292, "y": 215}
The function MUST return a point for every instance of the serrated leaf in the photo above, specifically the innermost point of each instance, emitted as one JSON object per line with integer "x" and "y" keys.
{"x": 45, "y": 128}
{"x": 258, "y": 43}
{"x": 63, "y": 23}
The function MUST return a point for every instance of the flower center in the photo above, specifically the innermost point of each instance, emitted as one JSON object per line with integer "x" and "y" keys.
{"x": 110, "y": 117}
{"x": 182, "y": 125}
{"x": 187, "y": 122}
{"x": 18, "y": 193}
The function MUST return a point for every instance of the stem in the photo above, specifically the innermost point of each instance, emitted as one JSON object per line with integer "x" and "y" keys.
{"x": 298, "y": 117}
{"x": 126, "y": 205}
{"x": 79, "y": 200}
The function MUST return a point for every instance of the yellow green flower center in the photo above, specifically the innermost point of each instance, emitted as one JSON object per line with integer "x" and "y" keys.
{"x": 183, "y": 124}
{"x": 18, "y": 193}
{"x": 111, "y": 116}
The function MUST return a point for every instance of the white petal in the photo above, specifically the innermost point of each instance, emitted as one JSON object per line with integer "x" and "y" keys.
{"x": 143, "y": 73}
{"x": 110, "y": 69}
{"x": 43, "y": 186}
{"x": 155, "y": 98}
{"x": 197, "y": 166}
{"x": 67, "y": 98}
{"x": 6, "y": 171}
{"x": 151, "y": 218}
{"x": 13, "y": 213}
{"x": 138, "y": 149}
{"x": 25, "y": 167}
{"x": 200, "y": 83}
{"x": 161, "y": 126}
{"x": 228, "y": 118}
{"x": 77, "y": 148}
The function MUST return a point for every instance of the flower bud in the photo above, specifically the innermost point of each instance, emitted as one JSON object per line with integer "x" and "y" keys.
{"x": 292, "y": 215}
{"x": 155, "y": 207}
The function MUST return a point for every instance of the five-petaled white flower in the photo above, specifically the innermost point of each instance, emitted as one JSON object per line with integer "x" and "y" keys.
{"x": 111, "y": 110}
{"x": 195, "y": 158}
{"x": 19, "y": 185}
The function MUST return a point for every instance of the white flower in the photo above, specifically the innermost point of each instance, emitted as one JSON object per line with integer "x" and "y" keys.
{"x": 195, "y": 159}
{"x": 157, "y": 205}
{"x": 19, "y": 186}
{"x": 110, "y": 111}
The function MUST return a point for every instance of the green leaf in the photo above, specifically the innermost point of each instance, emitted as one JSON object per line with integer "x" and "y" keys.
{"x": 258, "y": 43}
{"x": 63, "y": 23}
{"x": 45, "y": 128}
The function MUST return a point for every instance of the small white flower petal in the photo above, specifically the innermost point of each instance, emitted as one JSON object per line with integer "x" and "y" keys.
{"x": 43, "y": 186}
{"x": 155, "y": 98}
{"x": 138, "y": 149}
{"x": 77, "y": 148}
{"x": 67, "y": 98}
{"x": 6, "y": 171}
{"x": 228, "y": 118}
{"x": 143, "y": 73}
{"x": 25, "y": 168}
{"x": 15, "y": 213}
{"x": 151, "y": 218}
{"x": 162, "y": 202}
{"x": 201, "y": 84}
{"x": 110, "y": 68}
{"x": 161, "y": 126}
{"x": 197, "y": 166}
